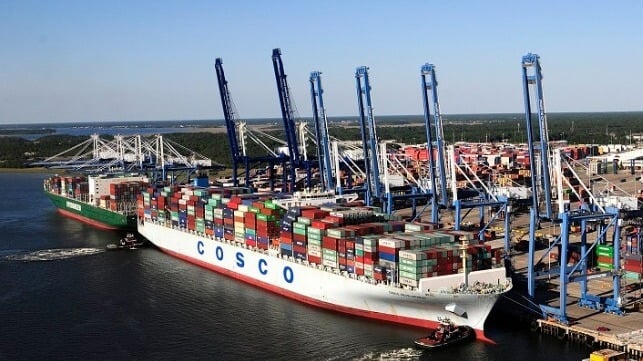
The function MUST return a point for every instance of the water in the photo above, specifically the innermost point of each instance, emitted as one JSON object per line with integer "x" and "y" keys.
{"x": 64, "y": 297}
{"x": 35, "y": 131}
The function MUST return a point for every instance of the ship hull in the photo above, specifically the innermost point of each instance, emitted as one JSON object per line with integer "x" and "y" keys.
{"x": 313, "y": 285}
{"x": 92, "y": 215}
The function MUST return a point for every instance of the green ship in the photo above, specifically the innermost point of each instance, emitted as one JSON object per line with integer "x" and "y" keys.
{"x": 106, "y": 202}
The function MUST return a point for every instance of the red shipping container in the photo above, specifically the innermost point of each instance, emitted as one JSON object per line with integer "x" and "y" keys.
{"x": 299, "y": 249}
{"x": 250, "y": 242}
{"x": 321, "y": 224}
{"x": 389, "y": 250}
{"x": 313, "y": 213}
{"x": 371, "y": 256}
{"x": 314, "y": 259}
{"x": 329, "y": 243}
{"x": 335, "y": 220}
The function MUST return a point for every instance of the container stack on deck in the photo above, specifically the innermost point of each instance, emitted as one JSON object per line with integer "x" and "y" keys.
{"x": 71, "y": 187}
{"x": 117, "y": 195}
{"x": 358, "y": 240}
{"x": 120, "y": 195}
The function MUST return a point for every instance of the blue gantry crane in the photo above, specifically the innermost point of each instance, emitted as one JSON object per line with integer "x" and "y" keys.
{"x": 295, "y": 155}
{"x": 606, "y": 220}
{"x": 369, "y": 137}
{"x": 437, "y": 168}
{"x": 430, "y": 85}
{"x": 321, "y": 131}
{"x": 228, "y": 115}
{"x": 532, "y": 79}
{"x": 236, "y": 140}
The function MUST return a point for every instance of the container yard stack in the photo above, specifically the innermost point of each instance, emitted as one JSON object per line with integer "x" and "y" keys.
{"x": 605, "y": 257}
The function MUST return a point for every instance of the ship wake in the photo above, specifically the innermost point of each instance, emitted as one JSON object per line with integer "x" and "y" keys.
{"x": 47, "y": 254}
{"x": 402, "y": 354}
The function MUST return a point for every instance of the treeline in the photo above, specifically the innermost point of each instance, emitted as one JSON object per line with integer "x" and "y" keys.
{"x": 576, "y": 128}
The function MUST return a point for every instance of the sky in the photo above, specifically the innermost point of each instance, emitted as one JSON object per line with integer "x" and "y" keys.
{"x": 93, "y": 61}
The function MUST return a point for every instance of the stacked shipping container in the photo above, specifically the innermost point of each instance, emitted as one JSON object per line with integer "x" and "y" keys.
{"x": 120, "y": 196}
{"x": 358, "y": 240}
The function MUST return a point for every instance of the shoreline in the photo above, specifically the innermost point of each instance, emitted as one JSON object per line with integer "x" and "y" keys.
{"x": 31, "y": 170}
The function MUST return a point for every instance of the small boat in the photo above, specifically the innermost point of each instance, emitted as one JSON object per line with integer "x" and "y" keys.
{"x": 127, "y": 242}
{"x": 446, "y": 334}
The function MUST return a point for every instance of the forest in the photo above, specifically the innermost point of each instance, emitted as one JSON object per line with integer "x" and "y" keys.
{"x": 576, "y": 128}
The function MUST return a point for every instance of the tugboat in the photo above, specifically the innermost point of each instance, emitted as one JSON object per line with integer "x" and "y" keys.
{"x": 446, "y": 334}
{"x": 127, "y": 242}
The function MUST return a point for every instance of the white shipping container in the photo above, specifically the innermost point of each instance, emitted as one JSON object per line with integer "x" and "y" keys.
{"x": 391, "y": 242}
{"x": 408, "y": 282}
{"x": 329, "y": 263}
{"x": 315, "y": 253}
{"x": 314, "y": 248}
{"x": 413, "y": 254}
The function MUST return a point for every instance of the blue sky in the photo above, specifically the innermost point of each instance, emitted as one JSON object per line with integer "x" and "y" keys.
{"x": 66, "y": 61}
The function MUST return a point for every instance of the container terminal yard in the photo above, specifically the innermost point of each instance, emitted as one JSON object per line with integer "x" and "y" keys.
{"x": 566, "y": 219}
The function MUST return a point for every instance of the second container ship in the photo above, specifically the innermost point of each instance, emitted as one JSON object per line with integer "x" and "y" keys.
{"x": 104, "y": 201}
{"x": 351, "y": 259}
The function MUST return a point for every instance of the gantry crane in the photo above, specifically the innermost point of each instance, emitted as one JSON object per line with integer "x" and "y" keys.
{"x": 438, "y": 169}
{"x": 237, "y": 154}
{"x": 540, "y": 178}
{"x": 296, "y": 155}
{"x": 372, "y": 185}
{"x": 603, "y": 218}
{"x": 237, "y": 133}
{"x": 430, "y": 85}
{"x": 321, "y": 131}
{"x": 156, "y": 156}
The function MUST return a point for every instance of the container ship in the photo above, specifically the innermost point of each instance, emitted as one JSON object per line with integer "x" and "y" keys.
{"x": 104, "y": 201}
{"x": 351, "y": 259}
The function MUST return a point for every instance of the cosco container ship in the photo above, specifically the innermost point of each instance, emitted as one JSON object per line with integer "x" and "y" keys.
{"x": 104, "y": 201}
{"x": 351, "y": 259}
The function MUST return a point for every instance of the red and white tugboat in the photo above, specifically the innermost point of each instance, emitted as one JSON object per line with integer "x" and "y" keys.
{"x": 446, "y": 334}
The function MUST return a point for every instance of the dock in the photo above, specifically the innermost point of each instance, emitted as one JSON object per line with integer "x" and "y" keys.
{"x": 592, "y": 327}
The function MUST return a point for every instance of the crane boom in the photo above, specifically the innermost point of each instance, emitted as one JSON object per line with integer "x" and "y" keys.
{"x": 229, "y": 117}
{"x": 432, "y": 86}
{"x": 532, "y": 77}
{"x": 321, "y": 130}
{"x": 427, "y": 71}
{"x": 287, "y": 114}
{"x": 369, "y": 137}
